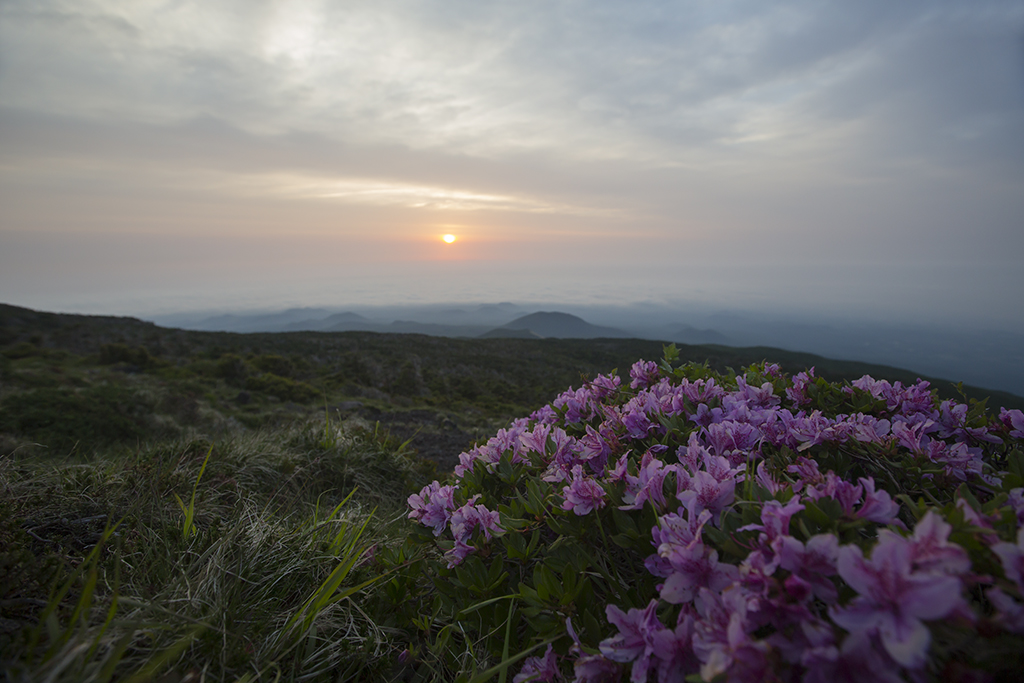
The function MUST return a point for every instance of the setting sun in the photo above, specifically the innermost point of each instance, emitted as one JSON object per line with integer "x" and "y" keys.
{"x": 448, "y": 238}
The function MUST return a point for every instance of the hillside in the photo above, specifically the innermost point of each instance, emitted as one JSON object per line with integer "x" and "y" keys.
{"x": 117, "y": 379}
{"x": 187, "y": 506}
{"x": 558, "y": 325}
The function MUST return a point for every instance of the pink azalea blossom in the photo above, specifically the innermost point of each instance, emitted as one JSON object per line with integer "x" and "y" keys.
{"x": 464, "y": 521}
{"x": 775, "y": 520}
{"x": 648, "y": 485}
{"x": 635, "y": 641}
{"x": 584, "y": 495}
{"x": 1016, "y": 502}
{"x": 1009, "y": 612}
{"x": 539, "y": 669}
{"x": 1013, "y": 420}
{"x": 433, "y": 506}
{"x": 733, "y": 440}
{"x": 798, "y": 393}
{"x": 1012, "y": 557}
{"x": 893, "y": 600}
{"x": 812, "y": 562}
{"x": 596, "y": 669}
{"x": 643, "y": 373}
{"x": 931, "y": 549}
{"x": 590, "y": 668}
{"x": 673, "y": 651}
{"x": 722, "y": 638}
{"x": 707, "y": 493}
{"x": 765, "y": 479}
{"x": 596, "y": 447}
{"x": 536, "y": 440}
{"x": 878, "y": 505}
{"x": 858, "y": 661}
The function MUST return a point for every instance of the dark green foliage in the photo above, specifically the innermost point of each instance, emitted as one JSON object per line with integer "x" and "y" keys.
{"x": 232, "y": 369}
{"x": 282, "y": 387}
{"x": 408, "y": 381}
{"x": 63, "y": 418}
{"x": 23, "y": 350}
{"x": 27, "y": 571}
{"x": 122, "y": 353}
{"x": 277, "y": 365}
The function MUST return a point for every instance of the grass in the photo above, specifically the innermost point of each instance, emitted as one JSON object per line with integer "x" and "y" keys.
{"x": 156, "y": 526}
{"x": 261, "y": 586}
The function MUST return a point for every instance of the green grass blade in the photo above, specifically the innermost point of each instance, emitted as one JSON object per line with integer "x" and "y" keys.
{"x": 506, "y": 663}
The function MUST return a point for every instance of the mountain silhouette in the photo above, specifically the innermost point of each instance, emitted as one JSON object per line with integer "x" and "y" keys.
{"x": 557, "y": 325}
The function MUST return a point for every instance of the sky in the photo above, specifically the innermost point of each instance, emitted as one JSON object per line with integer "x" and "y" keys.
{"x": 857, "y": 158}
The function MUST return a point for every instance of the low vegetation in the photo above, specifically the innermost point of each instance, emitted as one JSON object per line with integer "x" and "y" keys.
{"x": 185, "y": 506}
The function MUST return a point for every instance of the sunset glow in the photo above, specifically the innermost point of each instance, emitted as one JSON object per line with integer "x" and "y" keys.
{"x": 336, "y": 152}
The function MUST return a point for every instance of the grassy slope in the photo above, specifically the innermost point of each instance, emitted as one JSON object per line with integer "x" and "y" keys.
{"x": 230, "y": 601}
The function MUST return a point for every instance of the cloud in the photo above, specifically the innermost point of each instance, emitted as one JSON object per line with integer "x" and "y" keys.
{"x": 642, "y": 134}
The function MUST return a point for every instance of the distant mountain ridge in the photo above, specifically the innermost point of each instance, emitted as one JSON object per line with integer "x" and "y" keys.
{"x": 546, "y": 324}
{"x": 86, "y": 334}
{"x": 992, "y": 357}
{"x": 321, "y": 324}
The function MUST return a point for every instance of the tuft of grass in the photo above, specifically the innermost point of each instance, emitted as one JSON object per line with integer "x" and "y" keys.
{"x": 189, "y": 526}
{"x": 265, "y": 580}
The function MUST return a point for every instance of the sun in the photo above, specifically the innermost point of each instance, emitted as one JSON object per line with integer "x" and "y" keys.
{"x": 448, "y": 238}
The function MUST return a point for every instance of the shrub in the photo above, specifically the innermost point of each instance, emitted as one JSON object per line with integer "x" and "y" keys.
{"x": 690, "y": 525}
{"x": 278, "y": 365}
{"x": 61, "y": 418}
{"x": 281, "y": 387}
{"x": 122, "y": 353}
{"x": 231, "y": 369}
{"x": 23, "y": 350}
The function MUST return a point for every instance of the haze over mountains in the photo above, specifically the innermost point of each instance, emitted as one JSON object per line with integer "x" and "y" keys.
{"x": 987, "y": 358}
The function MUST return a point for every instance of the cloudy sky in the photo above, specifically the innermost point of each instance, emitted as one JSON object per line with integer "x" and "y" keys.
{"x": 863, "y": 157}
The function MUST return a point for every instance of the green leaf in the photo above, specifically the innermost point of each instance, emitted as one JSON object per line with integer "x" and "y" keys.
{"x": 1016, "y": 462}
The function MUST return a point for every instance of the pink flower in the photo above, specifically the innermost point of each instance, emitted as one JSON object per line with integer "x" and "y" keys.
{"x": 798, "y": 394}
{"x": 635, "y": 640}
{"x": 1014, "y": 421}
{"x": 1012, "y": 557}
{"x": 464, "y": 521}
{"x": 813, "y": 562}
{"x": 584, "y": 494}
{"x": 536, "y": 440}
{"x": 733, "y": 440}
{"x": 722, "y": 638}
{"x": 643, "y": 373}
{"x": 867, "y": 429}
{"x": 596, "y": 669}
{"x": 858, "y": 661}
{"x": 773, "y": 527}
{"x": 878, "y": 505}
{"x": 1016, "y": 502}
{"x": 765, "y": 479}
{"x": 539, "y": 669}
{"x": 596, "y": 447}
{"x": 456, "y": 555}
{"x": 636, "y": 422}
{"x": 673, "y": 651}
{"x": 932, "y": 550}
{"x": 433, "y": 506}
{"x": 1008, "y": 611}
{"x": 893, "y": 600}
{"x": 647, "y": 485}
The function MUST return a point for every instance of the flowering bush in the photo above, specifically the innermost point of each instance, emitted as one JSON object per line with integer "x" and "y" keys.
{"x": 683, "y": 525}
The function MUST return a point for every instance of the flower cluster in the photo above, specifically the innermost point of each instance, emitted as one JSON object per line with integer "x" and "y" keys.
{"x": 796, "y": 529}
